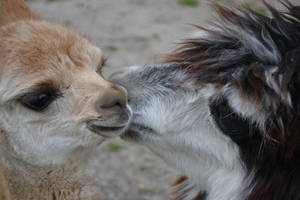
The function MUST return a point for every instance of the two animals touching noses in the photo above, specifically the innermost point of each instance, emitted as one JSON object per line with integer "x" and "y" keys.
{"x": 223, "y": 109}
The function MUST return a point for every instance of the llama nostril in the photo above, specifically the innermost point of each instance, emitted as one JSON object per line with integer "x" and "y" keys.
{"x": 114, "y": 96}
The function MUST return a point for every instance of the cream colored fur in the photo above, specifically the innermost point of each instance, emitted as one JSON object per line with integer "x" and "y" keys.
{"x": 45, "y": 154}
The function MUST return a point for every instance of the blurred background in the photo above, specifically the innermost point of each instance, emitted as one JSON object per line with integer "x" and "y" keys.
{"x": 134, "y": 32}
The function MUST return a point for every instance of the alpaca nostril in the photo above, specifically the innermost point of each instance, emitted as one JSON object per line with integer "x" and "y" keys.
{"x": 120, "y": 104}
{"x": 114, "y": 96}
{"x": 109, "y": 103}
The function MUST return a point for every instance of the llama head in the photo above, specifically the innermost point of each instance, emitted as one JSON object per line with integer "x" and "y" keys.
{"x": 227, "y": 99}
{"x": 53, "y": 100}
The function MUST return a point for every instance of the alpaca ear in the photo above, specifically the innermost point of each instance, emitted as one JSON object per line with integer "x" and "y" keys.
{"x": 15, "y": 10}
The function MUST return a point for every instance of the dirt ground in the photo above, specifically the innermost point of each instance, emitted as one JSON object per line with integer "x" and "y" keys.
{"x": 131, "y": 32}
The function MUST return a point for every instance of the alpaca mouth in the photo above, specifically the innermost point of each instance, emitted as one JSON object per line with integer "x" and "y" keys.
{"x": 107, "y": 130}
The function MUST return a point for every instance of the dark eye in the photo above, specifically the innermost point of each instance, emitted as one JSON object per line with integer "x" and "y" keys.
{"x": 38, "y": 101}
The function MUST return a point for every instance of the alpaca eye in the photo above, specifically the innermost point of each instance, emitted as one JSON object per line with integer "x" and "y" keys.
{"x": 38, "y": 101}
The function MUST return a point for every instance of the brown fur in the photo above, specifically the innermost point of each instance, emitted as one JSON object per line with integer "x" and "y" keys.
{"x": 180, "y": 189}
{"x": 13, "y": 10}
{"x": 4, "y": 191}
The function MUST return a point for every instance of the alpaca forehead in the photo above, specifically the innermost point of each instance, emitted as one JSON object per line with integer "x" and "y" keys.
{"x": 34, "y": 52}
{"x": 35, "y": 46}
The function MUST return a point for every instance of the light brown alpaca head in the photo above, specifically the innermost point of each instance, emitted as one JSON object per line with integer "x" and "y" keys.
{"x": 52, "y": 100}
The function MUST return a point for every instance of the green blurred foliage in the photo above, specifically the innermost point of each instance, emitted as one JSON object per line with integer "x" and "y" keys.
{"x": 188, "y": 2}
{"x": 114, "y": 147}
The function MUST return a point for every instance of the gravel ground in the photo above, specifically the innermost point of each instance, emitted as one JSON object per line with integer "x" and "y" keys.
{"x": 131, "y": 32}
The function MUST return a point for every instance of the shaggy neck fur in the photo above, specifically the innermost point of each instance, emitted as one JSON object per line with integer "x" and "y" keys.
{"x": 257, "y": 58}
{"x": 67, "y": 182}
{"x": 195, "y": 147}
{"x": 210, "y": 160}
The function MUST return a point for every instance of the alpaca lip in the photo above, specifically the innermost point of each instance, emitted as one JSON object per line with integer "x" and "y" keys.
{"x": 103, "y": 128}
{"x": 106, "y": 130}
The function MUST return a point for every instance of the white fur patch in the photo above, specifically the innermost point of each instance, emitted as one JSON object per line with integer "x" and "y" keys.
{"x": 188, "y": 139}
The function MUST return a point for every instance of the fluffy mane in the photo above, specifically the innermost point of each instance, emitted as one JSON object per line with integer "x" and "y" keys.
{"x": 260, "y": 57}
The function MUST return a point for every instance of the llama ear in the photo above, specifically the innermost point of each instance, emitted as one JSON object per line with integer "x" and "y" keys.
{"x": 15, "y": 10}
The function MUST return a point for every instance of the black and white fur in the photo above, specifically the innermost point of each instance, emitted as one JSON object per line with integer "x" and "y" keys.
{"x": 225, "y": 108}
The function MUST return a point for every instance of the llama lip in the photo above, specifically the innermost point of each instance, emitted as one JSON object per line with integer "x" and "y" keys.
{"x": 140, "y": 128}
{"x": 136, "y": 131}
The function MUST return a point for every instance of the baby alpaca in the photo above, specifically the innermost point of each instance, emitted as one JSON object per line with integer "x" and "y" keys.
{"x": 55, "y": 108}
